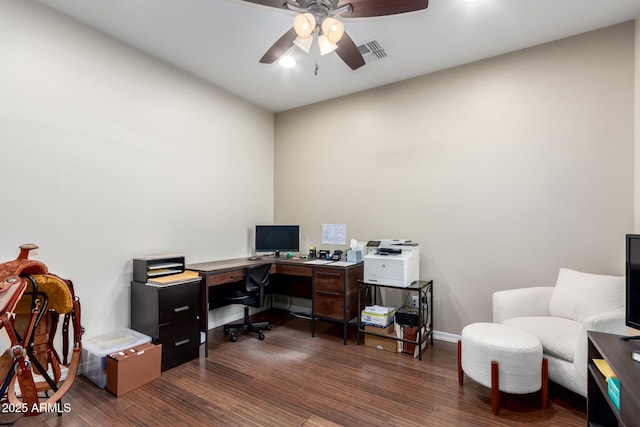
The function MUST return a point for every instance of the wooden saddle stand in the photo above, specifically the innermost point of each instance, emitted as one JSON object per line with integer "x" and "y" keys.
{"x": 31, "y": 303}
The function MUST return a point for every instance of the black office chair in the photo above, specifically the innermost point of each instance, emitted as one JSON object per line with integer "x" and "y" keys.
{"x": 253, "y": 295}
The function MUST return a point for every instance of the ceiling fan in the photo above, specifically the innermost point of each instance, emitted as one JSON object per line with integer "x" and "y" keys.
{"x": 316, "y": 19}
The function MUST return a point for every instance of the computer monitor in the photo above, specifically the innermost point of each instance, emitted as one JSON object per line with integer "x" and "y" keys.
{"x": 632, "y": 297}
{"x": 277, "y": 238}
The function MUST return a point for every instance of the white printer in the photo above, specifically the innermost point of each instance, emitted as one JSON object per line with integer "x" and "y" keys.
{"x": 392, "y": 262}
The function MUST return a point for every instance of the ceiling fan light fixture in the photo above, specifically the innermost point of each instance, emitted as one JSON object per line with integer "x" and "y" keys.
{"x": 304, "y": 24}
{"x": 325, "y": 45}
{"x": 304, "y": 44}
{"x": 333, "y": 29}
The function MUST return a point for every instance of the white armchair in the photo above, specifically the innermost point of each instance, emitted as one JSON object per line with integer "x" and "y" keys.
{"x": 560, "y": 317}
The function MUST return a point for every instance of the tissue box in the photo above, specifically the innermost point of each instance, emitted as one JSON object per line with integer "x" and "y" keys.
{"x": 354, "y": 256}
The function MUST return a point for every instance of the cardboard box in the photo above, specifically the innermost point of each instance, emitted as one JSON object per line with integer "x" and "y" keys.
{"x": 382, "y": 343}
{"x": 96, "y": 349}
{"x": 379, "y": 329}
{"x": 131, "y": 368}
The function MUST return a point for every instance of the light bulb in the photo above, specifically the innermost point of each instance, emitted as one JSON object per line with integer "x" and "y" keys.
{"x": 333, "y": 30}
{"x": 304, "y": 24}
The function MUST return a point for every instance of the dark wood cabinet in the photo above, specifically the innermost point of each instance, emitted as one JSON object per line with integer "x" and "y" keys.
{"x": 328, "y": 293}
{"x": 335, "y": 294}
{"x": 617, "y": 352}
{"x": 168, "y": 313}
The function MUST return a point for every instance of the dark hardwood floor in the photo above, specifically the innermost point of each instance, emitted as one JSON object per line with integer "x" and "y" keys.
{"x": 292, "y": 379}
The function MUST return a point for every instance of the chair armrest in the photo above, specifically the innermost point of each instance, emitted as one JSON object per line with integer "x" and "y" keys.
{"x": 611, "y": 322}
{"x": 533, "y": 301}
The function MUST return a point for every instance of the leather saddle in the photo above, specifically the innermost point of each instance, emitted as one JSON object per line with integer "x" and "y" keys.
{"x": 32, "y": 301}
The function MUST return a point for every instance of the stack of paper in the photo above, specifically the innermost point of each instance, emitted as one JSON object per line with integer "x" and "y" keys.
{"x": 378, "y": 309}
{"x": 376, "y": 315}
{"x": 604, "y": 368}
{"x": 175, "y": 279}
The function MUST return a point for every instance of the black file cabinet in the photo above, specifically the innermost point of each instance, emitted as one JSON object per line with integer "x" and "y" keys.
{"x": 170, "y": 315}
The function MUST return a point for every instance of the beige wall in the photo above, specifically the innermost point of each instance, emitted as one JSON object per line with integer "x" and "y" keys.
{"x": 503, "y": 170}
{"x": 108, "y": 154}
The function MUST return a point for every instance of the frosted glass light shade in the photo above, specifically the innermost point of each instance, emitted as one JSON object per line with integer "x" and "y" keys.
{"x": 304, "y": 24}
{"x": 325, "y": 45}
{"x": 304, "y": 44}
{"x": 333, "y": 30}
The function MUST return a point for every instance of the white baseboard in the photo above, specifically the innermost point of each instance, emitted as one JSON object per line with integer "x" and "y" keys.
{"x": 445, "y": 336}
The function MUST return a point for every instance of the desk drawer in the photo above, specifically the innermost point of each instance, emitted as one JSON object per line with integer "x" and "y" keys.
{"x": 329, "y": 280}
{"x": 179, "y": 302}
{"x": 293, "y": 270}
{"x": 328, "y": 304}
{"x": 226, "y": 277}
{"x": 178, "y": 337}
{"x": 328, "y": 293}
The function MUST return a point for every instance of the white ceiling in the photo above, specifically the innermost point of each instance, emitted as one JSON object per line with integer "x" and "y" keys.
{"x": 221, "y": 41}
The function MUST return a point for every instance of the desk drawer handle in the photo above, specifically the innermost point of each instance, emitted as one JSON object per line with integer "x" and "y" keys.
{"x": 328, "y": 274}
{"x": 179, "y": 309}
{"x": 183, "y": 342}
{"x": 337, "y": 294}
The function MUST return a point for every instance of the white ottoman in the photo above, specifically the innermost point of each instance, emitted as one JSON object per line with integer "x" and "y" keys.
{"x": 503, "y": 358}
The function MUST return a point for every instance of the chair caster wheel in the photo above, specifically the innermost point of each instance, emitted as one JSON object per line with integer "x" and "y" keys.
{"x": 260, "y": 336}
{"x": 268, "y": 327}
{"x": 233, "y": 339}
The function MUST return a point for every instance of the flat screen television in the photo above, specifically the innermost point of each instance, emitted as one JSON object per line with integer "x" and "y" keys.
{"x": 274, "y": 238}
{"x": 632, "y": 295}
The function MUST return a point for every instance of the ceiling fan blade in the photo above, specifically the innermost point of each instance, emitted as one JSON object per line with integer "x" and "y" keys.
{"x": 280, "y": 4}
{"x": 349, "y": 53}
{"x": 279, "y": 48}
{"x": 367, "y": 8}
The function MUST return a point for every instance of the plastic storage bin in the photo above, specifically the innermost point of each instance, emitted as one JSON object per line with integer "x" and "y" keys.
{"x": 95, "y": 351}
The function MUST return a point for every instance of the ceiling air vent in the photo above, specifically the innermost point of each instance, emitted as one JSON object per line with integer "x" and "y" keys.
{"x": 372, "y": 51}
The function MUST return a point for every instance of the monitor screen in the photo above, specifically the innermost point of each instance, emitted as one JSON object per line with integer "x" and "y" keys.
{"x": 632, "y": 303}
{"x": 277, "y": 238}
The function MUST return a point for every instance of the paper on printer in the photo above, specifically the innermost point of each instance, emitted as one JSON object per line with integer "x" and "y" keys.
{"x": 392, "y": 262}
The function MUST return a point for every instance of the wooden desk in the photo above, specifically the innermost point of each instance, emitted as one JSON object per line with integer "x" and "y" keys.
{"x": 331, "y": 288}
